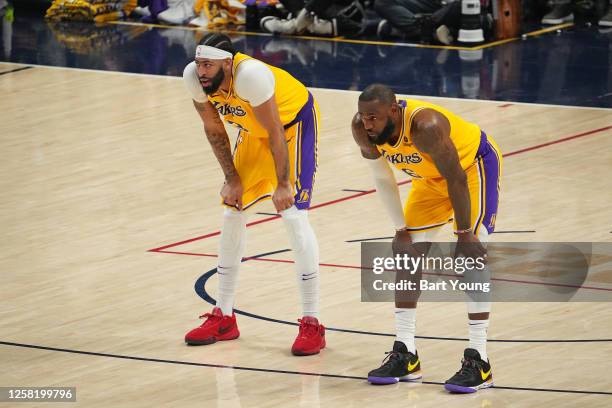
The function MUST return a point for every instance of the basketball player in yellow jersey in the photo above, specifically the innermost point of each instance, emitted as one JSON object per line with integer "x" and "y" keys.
{"x": 275, "y": 157}
{"x": 455, "y": 169}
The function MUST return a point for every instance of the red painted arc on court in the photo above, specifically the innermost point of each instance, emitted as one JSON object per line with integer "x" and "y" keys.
{"x": 350, "y": 197}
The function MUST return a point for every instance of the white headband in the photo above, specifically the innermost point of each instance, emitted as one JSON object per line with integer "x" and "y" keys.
{"x": 206, "y": 51}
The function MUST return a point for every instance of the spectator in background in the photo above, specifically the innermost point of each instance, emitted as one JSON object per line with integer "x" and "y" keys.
{"x": 419, "y": 19}
{"x": 318, "y": 17}
{"x": 584, "y": 11}
{"x": 6, "y": 27}
{"x": 606, "y": 20}
{"x": 561, "y": 12}
{"x": 165, "y": 11}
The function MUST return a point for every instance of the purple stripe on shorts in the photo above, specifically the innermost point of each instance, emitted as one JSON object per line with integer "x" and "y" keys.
{"x": 308, "y": 160}
{"x": 491, "y": 168}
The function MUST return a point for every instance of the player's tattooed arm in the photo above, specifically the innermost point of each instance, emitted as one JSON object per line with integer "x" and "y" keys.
{"x": 232, "y": 190}
{"x": 368, "y": 150}
{"x": 431, "y": 135}
{"x": 217, "y": 137}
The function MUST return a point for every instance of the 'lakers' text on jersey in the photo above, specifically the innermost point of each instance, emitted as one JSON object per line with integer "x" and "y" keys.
{"x": 429, "y": 206}
{"x": 291, "y": 96}
{"x": 407, "y": 158}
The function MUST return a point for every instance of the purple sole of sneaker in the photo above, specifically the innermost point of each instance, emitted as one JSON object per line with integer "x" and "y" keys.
{"x": 459, "y": 389}
{"x": 382, "y": 380}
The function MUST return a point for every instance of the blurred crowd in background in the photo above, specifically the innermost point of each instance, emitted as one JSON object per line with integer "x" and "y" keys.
{"x": 72, "y": 40}
{"x": 426, "y": 21}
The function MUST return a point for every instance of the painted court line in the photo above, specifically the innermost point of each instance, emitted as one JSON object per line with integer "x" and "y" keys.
{"x": 200, "y": 289}
{"x": 264, "y": 370}
{"x": 15, "y": 70}
{"x": 350, "y": 197}
{"x": 344, "y": 266}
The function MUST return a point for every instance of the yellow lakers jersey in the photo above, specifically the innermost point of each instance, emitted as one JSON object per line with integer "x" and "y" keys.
{"x": 407, "y": 158}
{"x": 291, "y": 95}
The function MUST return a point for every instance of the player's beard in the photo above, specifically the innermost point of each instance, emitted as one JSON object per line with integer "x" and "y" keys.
{"x": 385, "y": 134}
{"x": 215, "y": 82}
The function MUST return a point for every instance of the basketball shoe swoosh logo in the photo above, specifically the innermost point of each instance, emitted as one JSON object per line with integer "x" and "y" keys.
{"x": 223, "y": 330}
{"x": 484, "y": 375}
{"x": 412, "y": 366}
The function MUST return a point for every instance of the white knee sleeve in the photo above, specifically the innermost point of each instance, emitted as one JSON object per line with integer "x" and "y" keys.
{"x": 231, "y": 251}
{"x": 306, "y": 248}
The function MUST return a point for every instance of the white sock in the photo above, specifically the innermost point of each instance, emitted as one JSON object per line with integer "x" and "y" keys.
{"x": 231, "y": 250}
{"x": 405, "y": 327}
{"x": 478, "y": 337}
{"x": 480, "y": 303}
{"x": 306, "y": 249}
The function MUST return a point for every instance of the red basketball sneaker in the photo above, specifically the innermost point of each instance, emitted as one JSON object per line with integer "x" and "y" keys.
{"x": 311, "y": 338}
{"x": 216, "y": 327}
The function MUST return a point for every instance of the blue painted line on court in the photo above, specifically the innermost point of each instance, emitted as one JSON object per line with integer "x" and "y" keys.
{"x": 200, "y": 289}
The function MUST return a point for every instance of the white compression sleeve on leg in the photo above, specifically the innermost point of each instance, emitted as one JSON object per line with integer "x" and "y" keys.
{"x": 231, "y": 250}
{"x": 388, "y": 192}
{"x": 477, "y": 329}
{"x": 405, "y": 327}
{"x": 306, "y": 248}
{"x": 484, "y": 276}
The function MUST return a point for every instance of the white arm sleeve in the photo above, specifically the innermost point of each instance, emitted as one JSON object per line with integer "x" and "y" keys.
{"x": 192, "y": 83}
{"x": 254, "y": 82}
{"x": 387, "y": 190}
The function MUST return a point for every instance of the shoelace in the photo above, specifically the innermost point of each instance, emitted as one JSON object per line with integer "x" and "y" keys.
{"x": 466, "y": 366}
{"x": 390, "y": 358}
{"x": 307, "y": 329}
{"x": 209, "y": 318}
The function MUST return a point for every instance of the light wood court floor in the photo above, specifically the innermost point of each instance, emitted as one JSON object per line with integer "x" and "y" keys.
{"x": 100, "y": 168}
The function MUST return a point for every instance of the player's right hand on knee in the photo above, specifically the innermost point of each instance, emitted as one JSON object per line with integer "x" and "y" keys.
{"x": 231, "y": 192}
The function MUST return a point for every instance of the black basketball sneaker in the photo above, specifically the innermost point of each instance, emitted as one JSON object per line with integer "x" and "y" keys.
{"x": 475, "y": 374}
{"x": 399, "y": 365}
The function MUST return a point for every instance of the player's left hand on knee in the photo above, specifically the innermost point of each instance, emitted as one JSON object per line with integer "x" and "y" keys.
{"x": 402, "y": 244}
{"x": 283, "y": 197}
{"x": 468, "y": 246}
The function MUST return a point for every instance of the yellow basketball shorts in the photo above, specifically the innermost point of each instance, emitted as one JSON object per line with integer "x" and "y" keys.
{"x": 429, "y": 206}
{"x": 255, "y": 164}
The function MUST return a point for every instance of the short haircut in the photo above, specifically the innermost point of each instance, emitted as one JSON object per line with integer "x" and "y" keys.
{"x": 220, "y": 41}
{"x": 378, "y": 92}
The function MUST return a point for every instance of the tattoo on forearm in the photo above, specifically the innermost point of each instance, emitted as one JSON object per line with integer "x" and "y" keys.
{"x": 200, "y": 107}
{"x": 217, "y": 137}
{"x": 221, "y": 147}
{"x": 217, "y": 120}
